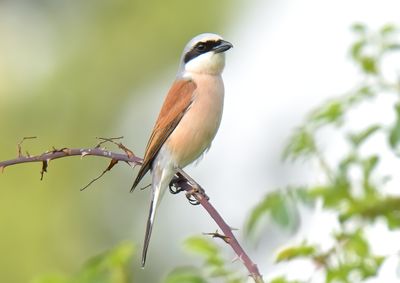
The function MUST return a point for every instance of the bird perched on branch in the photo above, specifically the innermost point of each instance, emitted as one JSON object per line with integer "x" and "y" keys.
{"x": 188, "y": 120}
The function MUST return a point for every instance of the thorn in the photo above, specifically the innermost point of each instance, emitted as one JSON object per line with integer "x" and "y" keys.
{"x": 238, "y": 258}
{"x": 109, "y": 167}
{"x": 19, "y": 145}
{"x": 105, "y": 140}
{"x": 45, "y": 164}
{"x": 226, "y": 239}
{"x": 145, "y": 187}
{"x": 131, "y": 164}
{"x": 84, "y": 153}
{"x": 127, "y": 151}
{"x": 66, "y": 150}
{"x": 112, "y": 164}
{"x": 55, "y": 150}
{"x": 235, "y": 259}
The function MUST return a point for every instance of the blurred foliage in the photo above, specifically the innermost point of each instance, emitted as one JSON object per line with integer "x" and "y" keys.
{"x": 279, "y": 206}
{"x": 98, "y": 51}
{"x": 69, "y": 72}
{"x": 113, "y": 266}
{"x": 358, "y": 201}
{"x": 295, "y": 252}
{"x": 215, "y": 265}
{"x": 185, "y": 274}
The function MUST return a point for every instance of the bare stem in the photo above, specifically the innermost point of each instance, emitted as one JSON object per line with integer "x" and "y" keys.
{"x": 226, "y": 229}
{"x": 190, "y": 186}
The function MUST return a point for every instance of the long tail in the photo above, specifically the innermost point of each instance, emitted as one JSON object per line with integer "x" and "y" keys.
{"x": 161, "y": 180}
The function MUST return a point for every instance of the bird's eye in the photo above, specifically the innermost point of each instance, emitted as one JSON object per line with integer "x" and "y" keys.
{"x": 201, "y": 47}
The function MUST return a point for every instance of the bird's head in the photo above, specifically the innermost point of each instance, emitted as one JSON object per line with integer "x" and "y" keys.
{"x": 205, "y": 53}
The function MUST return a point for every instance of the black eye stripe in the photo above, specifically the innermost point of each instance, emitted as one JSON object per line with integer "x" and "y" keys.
{"x": 208, "y": 45}
{"x": 201, "y": 48}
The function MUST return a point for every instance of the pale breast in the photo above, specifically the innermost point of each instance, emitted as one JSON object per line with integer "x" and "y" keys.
{"x": 198, "y": 127}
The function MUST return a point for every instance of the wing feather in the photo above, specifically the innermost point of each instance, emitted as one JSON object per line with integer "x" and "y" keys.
{"x": 176, "y": 103}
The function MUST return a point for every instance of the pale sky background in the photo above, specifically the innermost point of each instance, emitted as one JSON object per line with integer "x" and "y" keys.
{"x": 288, "y": 56}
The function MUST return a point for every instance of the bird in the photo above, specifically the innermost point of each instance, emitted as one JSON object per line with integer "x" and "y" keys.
{"x": 189, "y": 118}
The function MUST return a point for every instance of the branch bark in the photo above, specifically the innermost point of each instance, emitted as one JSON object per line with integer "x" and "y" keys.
{"x": 185, "y": 183}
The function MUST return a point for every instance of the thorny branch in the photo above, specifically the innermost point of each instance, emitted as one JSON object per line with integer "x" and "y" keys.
{"x": 182, "y": 181}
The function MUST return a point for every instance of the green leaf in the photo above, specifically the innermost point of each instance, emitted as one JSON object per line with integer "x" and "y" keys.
{"x": 277, "y": 206}
{"x": 302, "y": 194}
{"x": 358, "y": 138}
{"x": 394, "y": 135}
{"x": 219, "y": 272}
{"x": 279, "y": 210}
{"x": 185, "y": 275}
{"x": 372, "y": 207}
{"x": 201, "y": 246}
{"x": 295, "y": 252}
{"x": 393, "y": 220}
{"x": 330, "y": 112}
{"x": 356, "y": 258}
{"x": 359, "y": 28}
{"x": 356, "y": 49}
{"x": 357, "y": 244}
{"x": 360, "y": 95}
{"x": 369, "y": 64}
{"x": 333, "y": 196}
{"x": 388, "y": 29}
{"x": 214, "y": 262}
{"x": 391, "y": 47}
{"x": 255, "y": 216}
{"x": 282, "y": 279}
{"x": 263, "y": 208}
{"x": 369, "y": 164}
{"x": 301, "y": 144}
{"x": 113, "y": 266}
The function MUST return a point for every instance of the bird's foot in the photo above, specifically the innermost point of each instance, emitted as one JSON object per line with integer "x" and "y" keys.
{"x": 193, "y": 191}
{"x": 195, "y": 194}
{"x": 175, "y": 186}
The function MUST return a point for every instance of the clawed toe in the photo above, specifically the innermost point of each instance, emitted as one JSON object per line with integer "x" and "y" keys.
{"x": 180, "y": 183}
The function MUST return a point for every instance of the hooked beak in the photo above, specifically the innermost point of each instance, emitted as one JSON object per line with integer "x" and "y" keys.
{"x": 223, "y": 46}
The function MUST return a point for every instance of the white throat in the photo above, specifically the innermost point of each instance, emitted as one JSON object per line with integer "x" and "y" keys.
{"x": 209, "y": 63}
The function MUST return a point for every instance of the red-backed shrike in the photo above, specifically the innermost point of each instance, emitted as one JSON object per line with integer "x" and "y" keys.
{"x": 188, "y": 120}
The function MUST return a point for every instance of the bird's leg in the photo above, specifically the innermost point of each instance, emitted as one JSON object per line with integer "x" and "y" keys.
{"x": 180, "y": 183}
{"x": 193, "y": 192}
{"x": 175, "y": 186}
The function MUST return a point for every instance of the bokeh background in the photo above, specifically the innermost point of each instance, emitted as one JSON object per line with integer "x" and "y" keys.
{"x": 71, "y": 71}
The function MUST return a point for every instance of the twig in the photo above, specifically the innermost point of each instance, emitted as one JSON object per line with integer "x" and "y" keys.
{"x": 188, "y": 184}
{"x": 113, "y": 162}
{"x": 226, "y": 229}
{"x": 19, "y": 145}
{"x": 65, "y": 152}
